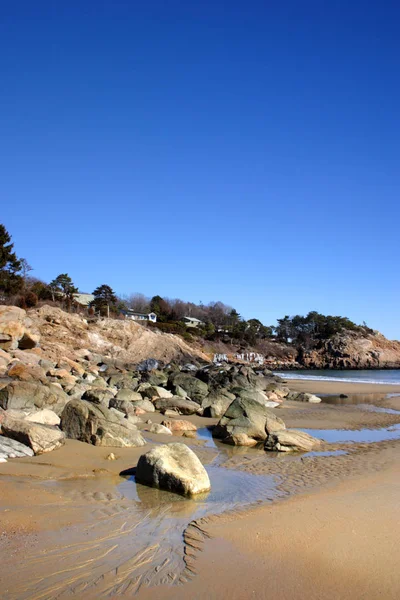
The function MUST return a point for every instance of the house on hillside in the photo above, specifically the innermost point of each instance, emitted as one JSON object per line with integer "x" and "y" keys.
{"x": 83, "y": 299}
{"x": 192, "y": 322}
{"x": 136, "y": 316}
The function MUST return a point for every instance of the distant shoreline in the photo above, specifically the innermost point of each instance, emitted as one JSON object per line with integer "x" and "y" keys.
{"x": 321, "y": 386}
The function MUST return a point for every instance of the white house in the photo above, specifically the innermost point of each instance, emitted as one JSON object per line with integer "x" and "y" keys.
{"x": 192, "y": 322}
{"x": 136, "y": 316}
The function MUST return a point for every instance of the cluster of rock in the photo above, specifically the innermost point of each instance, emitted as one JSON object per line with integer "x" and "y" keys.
{"x": 353, "y": 350}
{"x": 100, "y": 400}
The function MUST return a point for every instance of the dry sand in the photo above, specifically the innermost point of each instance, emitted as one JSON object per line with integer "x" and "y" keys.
{"x": 67, "y": 531}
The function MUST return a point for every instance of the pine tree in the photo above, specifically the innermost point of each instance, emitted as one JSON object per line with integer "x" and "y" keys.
{"x": 10, "y": 267}
{"x": 104, "y": 299}
{"x": 63, "y": 287}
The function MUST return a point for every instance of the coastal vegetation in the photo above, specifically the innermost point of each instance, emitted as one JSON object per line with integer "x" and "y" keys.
{"x": 216, "y": 322}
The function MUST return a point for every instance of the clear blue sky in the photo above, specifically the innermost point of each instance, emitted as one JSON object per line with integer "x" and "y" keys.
{"x": 238, "y": 151}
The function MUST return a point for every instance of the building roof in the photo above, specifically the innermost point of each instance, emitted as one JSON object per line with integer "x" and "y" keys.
{"x": 193, "y": 320}
{"x": 83, "y": 299}
{"x": 128, "y": 311}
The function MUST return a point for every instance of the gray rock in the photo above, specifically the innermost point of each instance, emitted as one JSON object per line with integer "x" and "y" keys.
{"x": 251, "y": 394}
{"x": 127, "y": 394}
{"x": 99, "y": 382}
{"x": 173, "y": 467}
{"x": 290, "y": 440}
{"x": 148, "y": 365}
{"x": 98, "y": 396}
{"x": 10, "y": 448}
{"x": 44, "y": 417}
{"x": 303, "y": 397}
{"x": 181, "y": 406}
{"x": 249, "y": 417}
{"x": 22, "y": 395}
{"x": 41, "y": 438}
{"x": 123, "y": 406}
{"x": 95, "y": 424}
{"x": 280, "y": 390}
{"x": 216, "y": 403}
{"x": 156, "y": 428}
{"x": 154, "y": 391}
{"x": 134, "y": 420}
{"x": 180, "y": 391}
{"x": 195, "y": 388}
{"x": 157, "y": 378}
{"x": 145, "y": 405}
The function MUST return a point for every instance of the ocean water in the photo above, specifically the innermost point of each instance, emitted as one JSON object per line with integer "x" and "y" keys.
{"x": 386, "y": 376}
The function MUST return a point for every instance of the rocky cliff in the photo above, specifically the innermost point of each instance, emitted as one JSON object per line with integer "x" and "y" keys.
{"x": 351, "y": 350}
{"x": 62, "y": 334}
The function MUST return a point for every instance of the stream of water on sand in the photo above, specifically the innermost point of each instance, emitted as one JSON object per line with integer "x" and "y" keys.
{"x": 137, "y": 535}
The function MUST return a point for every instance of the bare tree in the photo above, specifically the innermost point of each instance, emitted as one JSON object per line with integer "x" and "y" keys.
{"x": 137, "y": 302}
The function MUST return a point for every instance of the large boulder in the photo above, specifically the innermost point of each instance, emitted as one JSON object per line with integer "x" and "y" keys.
{"x": 95, "y": 424}
{"x": 249, "y": 417}
{"x": 41, "y": 438}
{"x": 44, "y": 417}
{"x": 127, "y": 394}
{"x": 98, "y": 395}
{"x": 217, "y": 402}
{"x": 254, "y": 394}
{"x": 156, "y": 378}
{"x": 181, "y": 406}
{"x": 290, "y": 440}
{"x": 303, "y": 397}
{"x": 173, "y": 467}
{"x": 195, "y": 388}
{"x": 23, "y": 395}
{"x": 10, "y": 448}
{"x": 154, "y": 391}
{"x": 149, "y": 364}
{"x": 157, "y": 428}
{"x": 16, "y": 329}
{"x": 123, "y": 406}
{"x": 145, "y": 404}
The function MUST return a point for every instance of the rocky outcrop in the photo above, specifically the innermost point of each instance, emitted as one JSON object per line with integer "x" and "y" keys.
{"x": 353, "y": 350}
{"x": 291, "y": 440}
{"x": 245, "y": 420}
{"x": 195, "y": 388}
{"x": 41, "y": 438}
{"x": 303, "y": 397}
{"x": 62, "y": 333}
{"x": 173, "y": 467}
{"x": 216, "y": 403}
{"x": 16, "y": 329}
{"x": 181, "y": 406}
{"x": 94, "y": 424}
{"x": 28, "y": 395}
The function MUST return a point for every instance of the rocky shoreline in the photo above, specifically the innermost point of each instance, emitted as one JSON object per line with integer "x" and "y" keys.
{"x": 102, "y": 400}
{"x": 78, "y": 423}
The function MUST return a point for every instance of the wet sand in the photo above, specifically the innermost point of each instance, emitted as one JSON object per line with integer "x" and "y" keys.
{"x": 340, "y": 387}
{"x": 330, "y": 532}
{"x": 336, "y": 543}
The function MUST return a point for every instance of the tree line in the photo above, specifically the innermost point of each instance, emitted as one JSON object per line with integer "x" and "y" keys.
{"x": 218, "y": 320}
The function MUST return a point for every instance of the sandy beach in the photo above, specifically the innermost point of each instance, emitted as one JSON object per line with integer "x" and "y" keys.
{"x": 316, "y": 526}
{"x": 341, "y": 387}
